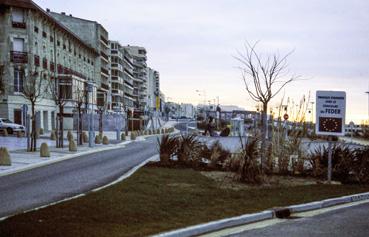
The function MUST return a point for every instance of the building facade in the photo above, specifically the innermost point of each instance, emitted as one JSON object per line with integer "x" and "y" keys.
{"x": 139, "y": 76}
{"x": 121, "y": 77}
{"x": 153, "y": 90}
{"x": 33, "y": 45}
{"x": 97, "y": 37}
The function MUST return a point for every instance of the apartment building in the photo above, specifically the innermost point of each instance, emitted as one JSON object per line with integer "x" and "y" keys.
{"x": 32, "y": 43}
{"x": 139, "y": 76}
{"x": 97, "y": 37}
{"x": 121, "y": 77}
{"x": 153, "y": 90}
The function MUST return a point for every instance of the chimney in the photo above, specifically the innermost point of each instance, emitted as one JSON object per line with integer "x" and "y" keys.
{"x": 47, "y": 10}
{"x": 63, "y": 13}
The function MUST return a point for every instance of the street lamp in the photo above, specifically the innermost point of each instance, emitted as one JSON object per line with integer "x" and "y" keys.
{"x": 368, "y": 105}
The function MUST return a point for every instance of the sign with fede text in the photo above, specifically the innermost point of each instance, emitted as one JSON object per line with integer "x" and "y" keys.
{"x": 330, "y": 113}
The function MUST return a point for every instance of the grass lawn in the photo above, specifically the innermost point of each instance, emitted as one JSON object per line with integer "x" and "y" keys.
{"x": 159, "y": 199}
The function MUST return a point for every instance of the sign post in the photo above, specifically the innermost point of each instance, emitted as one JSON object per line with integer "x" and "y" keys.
{"x": 330, "y": 118}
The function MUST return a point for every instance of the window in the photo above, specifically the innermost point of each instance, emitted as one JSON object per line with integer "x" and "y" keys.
{"x": 36, "y": 29}
{"x": 44, "y": 63}
{"x": 18, "y": 15}
{"x": 58, "y": 43}
{"x": 64, "y": 46}
{"x": 18, "y": 44}
{"x": 51, "y": 39}
{"x": 37, "y": 60}
{"x": 18, "y": 80}
{"x": 44, "y": 34}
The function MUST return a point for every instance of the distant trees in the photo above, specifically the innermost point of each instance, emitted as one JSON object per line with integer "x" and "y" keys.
{"x": 264, "y": 78}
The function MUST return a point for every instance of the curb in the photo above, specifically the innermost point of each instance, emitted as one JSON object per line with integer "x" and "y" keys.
{"x": 260, "y": 216}
{"x": 217, "y": 225}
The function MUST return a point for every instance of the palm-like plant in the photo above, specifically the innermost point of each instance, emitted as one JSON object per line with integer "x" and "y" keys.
{"x": 189, "y": 149}
{"x": 167, "y": 148}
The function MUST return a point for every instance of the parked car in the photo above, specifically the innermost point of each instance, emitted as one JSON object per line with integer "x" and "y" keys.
{"x": 10, "y": 126}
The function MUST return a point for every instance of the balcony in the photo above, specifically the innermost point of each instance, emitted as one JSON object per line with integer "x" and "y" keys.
{"x": 104, "y": 56}
{"x": 18, "y": 57}
{"x": 105, "y": 71}
{"x": 21, "y": 25}
{"x": 102, "y": 38}
{"x": 104, "y": 86}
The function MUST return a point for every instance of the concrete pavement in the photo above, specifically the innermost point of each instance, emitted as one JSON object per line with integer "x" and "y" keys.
{"x": 58, "y": 181}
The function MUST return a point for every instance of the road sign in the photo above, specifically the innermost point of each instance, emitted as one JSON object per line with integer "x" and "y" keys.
{"x": 285, "y": 116}
{"x": 330, "y": 113}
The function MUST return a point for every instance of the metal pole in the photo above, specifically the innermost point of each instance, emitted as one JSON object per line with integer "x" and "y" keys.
{"x": 329, "y": 159}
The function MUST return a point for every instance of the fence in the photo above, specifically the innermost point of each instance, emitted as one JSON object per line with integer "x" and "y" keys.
{"x": 110, "y": 122}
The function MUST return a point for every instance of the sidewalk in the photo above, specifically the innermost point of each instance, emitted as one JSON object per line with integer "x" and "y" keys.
{"x": 23, "y": 160}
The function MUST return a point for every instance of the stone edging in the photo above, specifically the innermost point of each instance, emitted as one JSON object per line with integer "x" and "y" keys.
{"x": 260, "y": 216}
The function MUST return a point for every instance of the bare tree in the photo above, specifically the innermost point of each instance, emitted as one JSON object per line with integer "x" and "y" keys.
{"x": 80, "y": 101}
{"x": 33, "y": 91}
{"x": 264, "y": 78}
{"x": 61, "y": 92}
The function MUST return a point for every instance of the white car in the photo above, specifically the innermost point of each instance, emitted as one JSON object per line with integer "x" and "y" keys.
{"x": 10, "y": 126}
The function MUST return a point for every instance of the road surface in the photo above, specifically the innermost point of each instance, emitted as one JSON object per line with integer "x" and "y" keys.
{"x": 349, "y": 221}
{"x": 30, "y": 189}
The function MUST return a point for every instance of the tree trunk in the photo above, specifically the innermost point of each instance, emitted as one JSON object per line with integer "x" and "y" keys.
{"x": 33, "y": 133}
{"x": 80, "y": 141}
{"x": 264, "y": 130}
{"x": 61, "y": 127}
{"x": 101, "y": 122}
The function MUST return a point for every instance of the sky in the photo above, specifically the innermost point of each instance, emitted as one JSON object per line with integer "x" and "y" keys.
{"x": 193, "y": 44}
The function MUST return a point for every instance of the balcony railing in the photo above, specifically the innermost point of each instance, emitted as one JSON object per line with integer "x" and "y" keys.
{"x": 18, "y": 57}
{"x": 104, "y": 40}
{"x": 104, "y": 56}
{"x": 21, "y": 25}
{"x": 103, "y": 70}
{"x": 104, "y": 86}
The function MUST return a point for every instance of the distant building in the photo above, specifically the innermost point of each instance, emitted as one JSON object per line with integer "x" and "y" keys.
{"x": 153, "y": 89}
{"x": 187, "y": 110}
{"x": 33, "y": 42}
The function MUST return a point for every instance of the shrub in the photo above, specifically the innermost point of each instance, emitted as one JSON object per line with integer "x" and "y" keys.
{"x": 167, "y": 148}
{"x": 97, "y": 139}
{"x": 44, "y": 150}
{"x": 69, "y": 135}
{"x": 342, "y": 162}
{"x": 361, "y": 165}
{"x": 189, "y": 149}
{"x": 105, "y": 140}
{"x": 218, "y": 154}
{"x": 5, "y": 157}
{"x": 41, "y": 131}
{"x": 123, "y": 136}
{"x": 72, "y": 145}
{"x": 84, "y": 137}
{"x": 53, "y": 135}
{"x": 249, "y": 171}
{"x": 133, "y": 135}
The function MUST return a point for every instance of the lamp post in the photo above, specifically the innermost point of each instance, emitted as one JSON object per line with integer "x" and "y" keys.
{"x": 368, "y": 105}
{"x": 90, "y": 119}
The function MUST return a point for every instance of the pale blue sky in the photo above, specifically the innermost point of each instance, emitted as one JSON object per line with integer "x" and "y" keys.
{"x": 192, "y": 43}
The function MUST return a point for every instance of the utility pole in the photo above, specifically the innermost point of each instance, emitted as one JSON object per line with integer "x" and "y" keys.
{"x": 368, "y": 105}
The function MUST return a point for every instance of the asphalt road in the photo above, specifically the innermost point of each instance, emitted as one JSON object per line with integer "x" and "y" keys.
{"x": 30, "y": 189}
{"x": 350, "y": 221}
